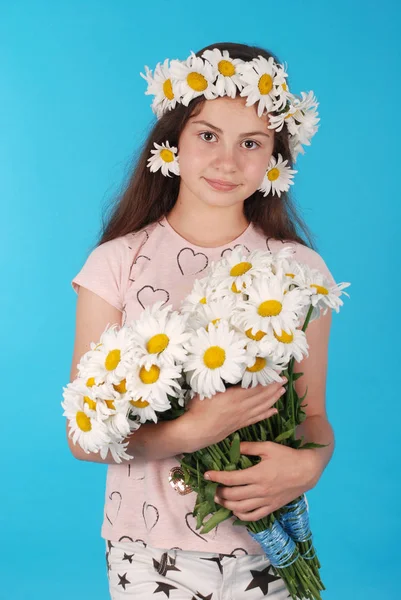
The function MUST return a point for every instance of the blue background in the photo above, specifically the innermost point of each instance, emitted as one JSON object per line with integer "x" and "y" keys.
{"x": 72, "y": 113}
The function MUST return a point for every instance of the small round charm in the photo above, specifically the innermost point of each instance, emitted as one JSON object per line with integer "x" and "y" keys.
{"x": 176, "y": 479}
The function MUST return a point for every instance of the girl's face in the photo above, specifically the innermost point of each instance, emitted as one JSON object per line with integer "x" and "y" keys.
{"x": 224, "y": 152}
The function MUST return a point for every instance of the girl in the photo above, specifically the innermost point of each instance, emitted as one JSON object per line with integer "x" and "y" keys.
{"x": 229, "y": 116}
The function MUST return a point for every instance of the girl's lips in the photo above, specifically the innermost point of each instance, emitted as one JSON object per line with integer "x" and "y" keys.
{"x": 224, "y": 187}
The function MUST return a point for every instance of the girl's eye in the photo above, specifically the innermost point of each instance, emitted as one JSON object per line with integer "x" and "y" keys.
{"x": 248, "y": 147}
{"x": 208, "y": 135}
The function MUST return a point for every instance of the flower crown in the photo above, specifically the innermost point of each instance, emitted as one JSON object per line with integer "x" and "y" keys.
{"x": 216, "y": 74}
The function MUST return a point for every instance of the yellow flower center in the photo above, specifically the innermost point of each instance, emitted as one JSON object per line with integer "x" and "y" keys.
{"x": 258, "y": 335}
{"x": 240, "y": 269}
{"x": 285, "y": 338}
{"x": 139, "y": 403}
{"x": 265, "y": 84}
{"x": 157, "y": 343}
{"x": 284, "y": 86}
{"x": 168, "y": 89}
{"x": 197, "y": 82}
{"x": 150, "y": 376}
{"x": 203, "y": 300}
{"x": 289, "y": 115}
{"x": 259, "y": 364}
{"x": 290, "y": 275}
{"x": 214, "y": 321}
{"x": 121, "y": 387}
{"x": 112, "y": 359}
{"x": 214, "y": 357}
{"x": 235, "y": 289}
{"x": 226, "y": 68}
{"x": 83, "y": 421}
{"x": 91, "y": 403}
{"x": 90, "y": 382}
{"x": 273, "y": 174}
{"x": 320, "y": 289}
{"x": 270, "y": 308}
{"x": 166, "y": 155}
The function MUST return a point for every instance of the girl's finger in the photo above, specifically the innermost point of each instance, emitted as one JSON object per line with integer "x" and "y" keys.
{"x": 244, "y": 506}
{"x": 255, "y": 515}
{"x": 238, "y": 492}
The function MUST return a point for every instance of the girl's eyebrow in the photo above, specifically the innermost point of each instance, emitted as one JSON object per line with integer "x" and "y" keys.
{"x": 221, "y": 131}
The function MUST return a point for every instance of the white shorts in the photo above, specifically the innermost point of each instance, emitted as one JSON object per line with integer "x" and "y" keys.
{"x": 145, "y": 573}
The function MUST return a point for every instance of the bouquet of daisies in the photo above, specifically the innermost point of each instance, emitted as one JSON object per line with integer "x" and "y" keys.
{"x": 244, "y": 324}
{"x": 133, "y": 375}
{"x": 248, "y": 321}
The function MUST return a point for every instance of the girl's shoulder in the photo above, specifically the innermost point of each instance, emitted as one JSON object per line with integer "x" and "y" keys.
{"x": 108, "y": 267}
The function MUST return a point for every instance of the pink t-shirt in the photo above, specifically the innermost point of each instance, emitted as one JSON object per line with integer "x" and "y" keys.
{"x": 131, "y": 272}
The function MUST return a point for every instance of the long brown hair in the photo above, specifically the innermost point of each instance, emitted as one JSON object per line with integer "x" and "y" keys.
{"x": 150, "y": 196}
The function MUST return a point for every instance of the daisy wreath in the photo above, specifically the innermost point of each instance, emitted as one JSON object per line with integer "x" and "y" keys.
{"x": 215, "y": 74}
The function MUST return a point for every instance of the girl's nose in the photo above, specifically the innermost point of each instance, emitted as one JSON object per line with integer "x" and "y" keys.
{"x": 226, "y": 159}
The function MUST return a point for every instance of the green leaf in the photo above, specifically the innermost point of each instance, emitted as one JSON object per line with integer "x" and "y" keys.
{"x": 263, "y": 434}
{"x": 284, "y": 436}
{"x": 230, "y": 467}
{"x": 208, "y": 461}
{"x": 309, "y": 445}
{"x": 221, "y": 515}
{"x": 239, "y": 522}
{"x": 296, "y": 376}
{"x": 234, "y": 449}
{"x": 245, "y": 462}
{"x": 202, "y": 511}
{"x": 210, "y": 492}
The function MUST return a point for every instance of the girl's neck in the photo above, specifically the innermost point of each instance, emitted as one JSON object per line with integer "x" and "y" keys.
{"x": 211, "y": 228}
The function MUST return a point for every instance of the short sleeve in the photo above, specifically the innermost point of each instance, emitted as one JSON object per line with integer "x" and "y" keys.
{"x": 106, "y": 271}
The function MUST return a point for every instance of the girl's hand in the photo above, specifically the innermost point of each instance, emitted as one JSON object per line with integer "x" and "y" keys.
{"x": 210, "y": 420}
{"x": 282, "y": 475}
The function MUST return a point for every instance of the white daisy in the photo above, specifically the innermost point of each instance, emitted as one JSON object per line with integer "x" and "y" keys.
{"x": 301, "y": 119}
{"x": 284, "y": 97}
{"x": 164, "y": 158}
{"x": 145, "y": 410}
{"x": 161, "y": 86}
{"x": 228, "y": 78}
{"x": 160, "y": 336}
{"x": 270, "y": 307}
{"x": 115, "y": 410}
{"x": 261, "y": 369}
{"x": 154, "y": 384}
{"x": 215, "y": 356}
{"x": 213, "y": 312}
{"x": 201, "y": 293}
{"x": 84, "y": 427}
{"x": 239, "y": 267}
{"x": 291, "y": 343}
{"x": 117, "y": 451}
{"x": 262, "y": 83}
{"x": 111, "y": 358}
{"x": 194, "y": 77}
{"x": 322, "y": 295}
{"x": 278, "y": 177}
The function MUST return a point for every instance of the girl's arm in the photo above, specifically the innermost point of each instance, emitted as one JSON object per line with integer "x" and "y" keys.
{"x": 200, "y": 426}
{"x": 316, "y": 427}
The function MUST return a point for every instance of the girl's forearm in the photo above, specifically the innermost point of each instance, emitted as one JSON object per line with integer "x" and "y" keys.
{"x": 317, "y": 429}
{"x": 151, "y": 441}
